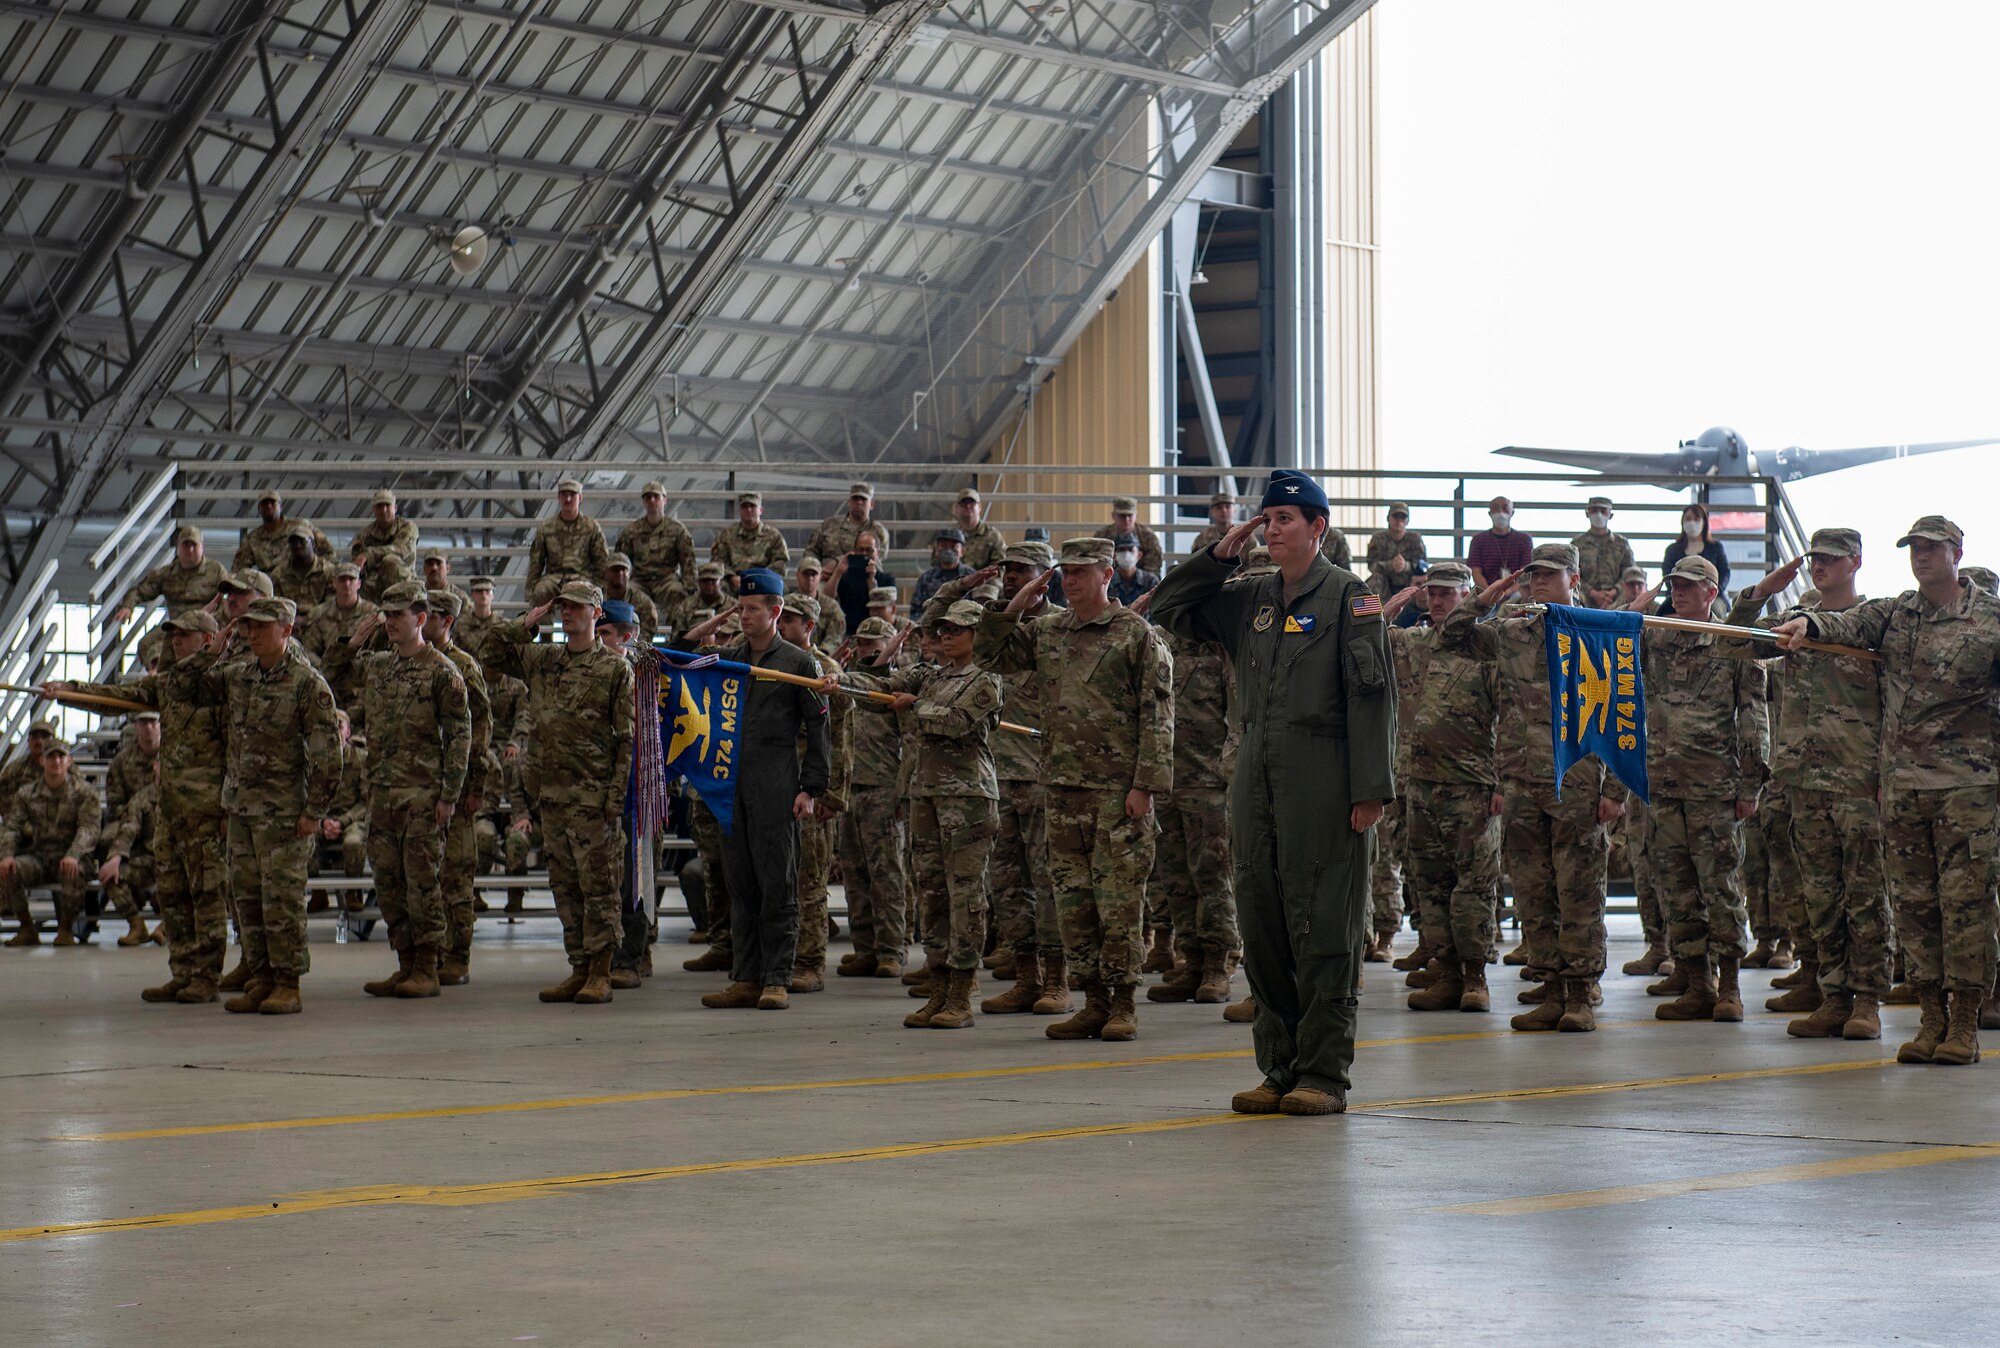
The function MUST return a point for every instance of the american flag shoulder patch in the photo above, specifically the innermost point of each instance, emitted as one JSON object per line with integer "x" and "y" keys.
{"x": 1367, "y": 606}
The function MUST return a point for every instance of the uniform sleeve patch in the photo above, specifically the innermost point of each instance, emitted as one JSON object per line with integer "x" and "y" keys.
{"x": 1367, "y": 605}
{"x": 1302, "y": 622}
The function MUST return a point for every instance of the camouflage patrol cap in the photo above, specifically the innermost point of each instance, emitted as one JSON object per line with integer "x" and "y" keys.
{"x": 445, "y": 602}
{"x": 269, "y": 494}
{"x": 960, "y": 613}
{"x": 1835, "y": 543}
{"x": 1258, "y": 557}
{"x": 1086, "y": 551}
{"x": 1552, "y": 557}
{"x": 654, "y": 488}
{"x": 1448, "y": 576}
{"x": 248, "y": 581}
{"x": 406, "y": 595}
{"x": 55, "y": 747}
{"x": 1125, "y": 505}
{"x": 874, "y": 629}
{"x": 882, "y": 594}
{"x": 39, "y": 727}
{"x": 1599, "y": 503}
{"x": 1695, "y": 568}
{"x": 862, "y": 491}
{"x": 142, "y": 717}
{"x": 1632, "y": 573}
{"x": 480, "y": 583}
{"x": 1033, "y": 553}
{"x": 800, "y": 606}
{"x": 1223, "y": 498}
{"x": 297, "y": 529}
{"x": 271, "y": 611}
{"x": 347, "y": 571}
{"x": 194, "y": 620}
{"x": 581, "y": 592}
{"x": 382, "y": 496}
{"x": 569, "y": 484}
{"x": 969, "y": 494}
{"x": 187, "y": 533}
{"x": 709, "y": 571}
{"x": 1399, "y": 508}
{"x": 618, "y": 561}
{"x": 1981, "y": 577}
{"x": 755, "y": 498}
{"x": 809, "y": 565}
{"x": 1936, "y": 528}
{"x": 437, "y": 555}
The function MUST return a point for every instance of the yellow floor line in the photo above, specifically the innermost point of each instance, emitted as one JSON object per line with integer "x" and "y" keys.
{"x": 1735, "y": 1179}
{"x": 509, "y": 1191}
{"x": 1601, "y": 1087}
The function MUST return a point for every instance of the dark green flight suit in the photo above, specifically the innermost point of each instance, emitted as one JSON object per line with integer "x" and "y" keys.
{"x": 1316, "y": 698}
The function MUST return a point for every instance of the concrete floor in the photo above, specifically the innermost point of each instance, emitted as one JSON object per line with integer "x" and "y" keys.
{"x": 892, "y": 1186}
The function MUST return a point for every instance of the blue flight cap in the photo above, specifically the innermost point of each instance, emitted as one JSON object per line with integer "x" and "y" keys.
{"x": 763, "y": 580}
{"x": 1291, "y": 487}
{"x": 618, "y": 611}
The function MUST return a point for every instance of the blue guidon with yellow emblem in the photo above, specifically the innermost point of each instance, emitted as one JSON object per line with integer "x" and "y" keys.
{"x": 1597, "y": 700}
{"x": 701, "y": 716}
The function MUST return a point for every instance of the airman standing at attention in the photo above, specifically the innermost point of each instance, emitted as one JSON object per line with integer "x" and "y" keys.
{"x": 567, "y": 547}
{"x": 1125, "y": 520}
{"x": 189, "y": 581}
{"x": 386, "y": 548}
{"x": 1602, "y": 556}
{"x": 871, "y": 835}
{"x": 476, "y": 618}
{"x": 1318, "y": 711}
{"x": 984, "y": 546}
{"x": 836, "y": 535}
{"x": 749, "y": 542}
{"x": 461, "y": 842}
{"x": 817, "y": 834}
{"x": 661, "y": 549}
{"x": 47, "y": 839}
{"x": 1395, "y": 553}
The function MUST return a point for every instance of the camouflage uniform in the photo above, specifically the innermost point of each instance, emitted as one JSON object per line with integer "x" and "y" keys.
{"x": 816, "y": 835}
{"x": 350, "y": 810}
{"x": 189, "y": 856}
{"x": 954, "y": 809}
{"x": 265, "y": 548}
{"x": 872, "y": 842}
{"x": 461, "y": 836}
{"x": 1707, "y": 747}
{"x": 662, "y": 556}
{"x": 1940, "y": 667}
{"x": 564, "y": 550}
{"x": 831, "y": 628}
{"x": 283, "y": 763}
{"x": 45, "y": 825}
{"x": 1602, "y": 558}
{"x": 583, "y": 715}
{"x": 1637, "y": 837}
{"x": 984, "y": 546}
{"x": 1446, "y": 751}
{"x": 707, "y": 830}
{"x": 1554, "y": 849}
{"x": 305, "y": 587}
{"x": 642, "y": 604}
{"x": 1335, "y": 548}
{"x": 132, "y": 835}
{"x": 738, "y": 549}
{"x": 387, "y": 555}
{"x": 1152, "y": 557}
{"x": 325, "y": 628}
{"x": 1382, "y": 550}
{"x": 1193, "y": 874}
{"x": 837, "y": 535}
{"x": 1387, "y": 894}
{"x": 130, "y": 773}
{"x": 1826, "y": 750}
{"x": 181, "y": 587}
{"x": 1107, "y": 697}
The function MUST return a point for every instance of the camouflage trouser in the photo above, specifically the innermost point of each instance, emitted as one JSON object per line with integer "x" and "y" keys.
{"x": 913, "y": 911}
{"x": 1555, "y": 851}
{"x": 815, "y": 870}
{"x": 1938, "y": 847}
{"x": 707, "y": 832}
{"x": 1753, "y": 878}
{"x": 586, "y": 851}
{"x": 516, "y": 846}
{"x": 1098, "y": 864}
{"x": 486, "y": 845}
{"x": 1638, "y": 830}
{"x": 135, "y": 876}
{"x": 461, "y": 859}
{"x": 1386, "y": 880}
{"x": 31, "y": 871}
{"x": 193, "y": 879}
{"x": 1024, "y": 898}
{"x": 1697, "y": 848}
{"x": 956, "y": 834}
{"x": 406, "y": 850}
{"x": 871, "y": 867}
{"x": 1454, "y": 842}
{"x": 1787, "y": 880}
{"x": 267, "y": 881}
{"x": 544, "y": 590}
{"x": 353, "y": 849}
{"x": 1838, "y": 840}
{"x": 1194, "y": 875}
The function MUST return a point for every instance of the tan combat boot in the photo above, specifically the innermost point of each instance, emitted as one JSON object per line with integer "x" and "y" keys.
{"x": 1443, "y": 993}
{"x": 1003, "y": 965}
{"x": 1866, "y": 1022}
{"x": 1054, "y": 1000}
{"x": 1673, "y": 984}
{"x": 888, "y": 966}
{"x": 1422, "y": 978}
{"x": 136, "y": 933}
{"x": 1379, "y": 948}
{"x": 939, "y": 989}
{"x": 624, "y": 980}
{"x": 1577, "y": 1017}
{"x": 1827, "y": 1021}
{"x": 1215, "y": 976}
{"x": 1760, "y": 956}
{"x": 776, "y": 997}
{"x": 1262, "y": 1100}
{"x": 1548, "y": 1015}
{"x": 805, "y": 978}
{"x": 1307, "y": 1100}
{"x": 1160, "y": 955}
{"x": 1123, "y": 1023}
{"x": 1804, "y": 995}
{"x": 1241, "y": 1013}
{"x": 65, "y": 932}
{"x": 1475, "y": 997}
{"x": 1539, "y": 993}
{"x": 237, "y": 978}
{"x": 956, "y": 1013}
{"x": 166, "y": 992}
{"x": 1960, "y": 1045}
{"x": 1416, "y": 959}
{"x": 1698, "y": 1002}
{"x": 1728, "y": 997}
{"x": 1783, "y": 956}
{"x": 1901, "y": 994}
{"x": 386, "y": 987}
{"x": 198, "y": 992}
{"x": 930, "y": 972}
{"x": 1179, "y": 984}
{"x": 857, "y": 965}
{"x": 423, "y": 978}
{"x": 1797, "y": 977}
{"x": 1652, "y": 962}
{"x": 454, "y": 970}
{"x": 1027, "y": 990}
{"x": 566, "y": 990}
{"x": 284, "y": 998}
{"x": 712, "y": 960}
{"x": 1518, "y": 955}
{"x": 1089, "y": 1022}
{"x": 735, "y": 997}
{"x": 596, "y": 989}
{"x": 254, "y": 992}
{"x": 1930, "y": 1026}
{"x": 26, "y": 933}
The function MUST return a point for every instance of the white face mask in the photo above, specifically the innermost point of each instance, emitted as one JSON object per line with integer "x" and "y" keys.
{"x": 1599, "y": 518}
{"x": 1128, "y": 561}
{"x": 1500, "y": 518}
{"x": 1692, "y": 528}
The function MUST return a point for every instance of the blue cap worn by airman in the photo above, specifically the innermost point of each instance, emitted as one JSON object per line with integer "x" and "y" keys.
{"x": 1291, "y": 487}
{"x": 618, "y": 611}
{"x": 760, "y": 580}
